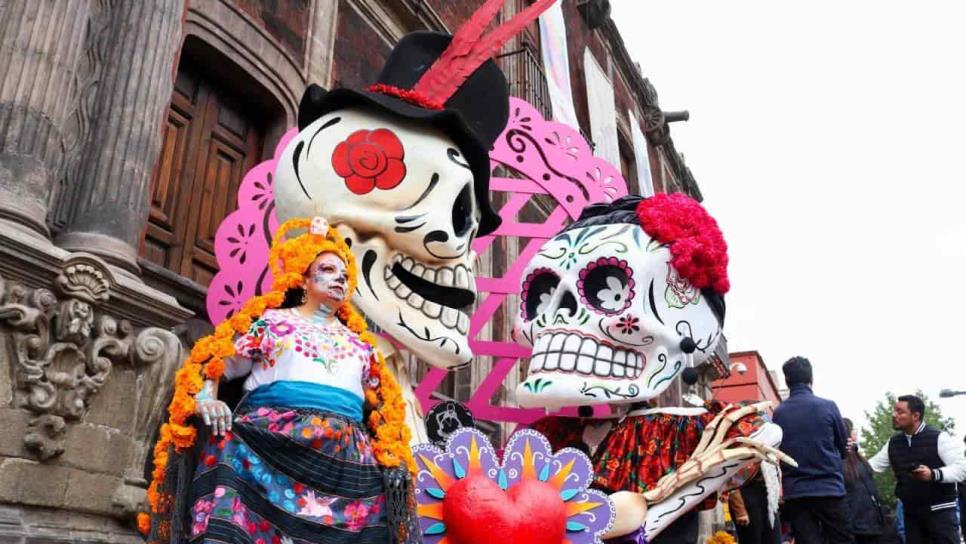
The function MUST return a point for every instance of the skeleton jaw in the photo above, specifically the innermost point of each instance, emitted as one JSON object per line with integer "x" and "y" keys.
{"x": 572, "y": 352}
{"x": 443, "y": 293}
{"x": 428, "y": 329}
{"x": 567, "y": 362}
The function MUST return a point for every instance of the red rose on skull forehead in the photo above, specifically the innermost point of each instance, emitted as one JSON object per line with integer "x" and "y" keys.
{"x": 368, "y": 159}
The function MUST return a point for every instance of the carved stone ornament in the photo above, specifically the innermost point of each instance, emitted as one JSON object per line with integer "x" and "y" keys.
{"x": 63, "y": 348}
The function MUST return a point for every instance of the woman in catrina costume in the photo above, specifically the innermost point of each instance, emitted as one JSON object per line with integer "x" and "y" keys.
{"x": 317, "y": 450}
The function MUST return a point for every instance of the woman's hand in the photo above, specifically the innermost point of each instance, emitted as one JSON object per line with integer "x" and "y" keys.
{"x": 215, "y": 413}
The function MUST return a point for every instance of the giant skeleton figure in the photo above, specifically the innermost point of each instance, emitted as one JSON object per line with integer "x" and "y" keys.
{"x": 615, "y": 307}
{"x": 402, "y": 170}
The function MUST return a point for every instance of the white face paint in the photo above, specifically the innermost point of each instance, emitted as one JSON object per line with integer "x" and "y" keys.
{"x": 402, "y": 195}
{"x": 605, "y": 313}
{"x": 327, "y": 280}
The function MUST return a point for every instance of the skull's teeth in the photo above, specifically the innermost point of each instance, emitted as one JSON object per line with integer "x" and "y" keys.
{"x": 567, "y": 352}
{"x": 451, "y": 318}
{"x": 461, "y": 277}
{"x": 431, "y": 309}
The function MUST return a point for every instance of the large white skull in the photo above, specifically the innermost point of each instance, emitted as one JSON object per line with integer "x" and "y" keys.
{"x": 402, "y": 194}
{"x": 605, "y": 313}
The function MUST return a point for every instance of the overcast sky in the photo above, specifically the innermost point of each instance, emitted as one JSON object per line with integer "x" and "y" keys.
{"x": 828, "y": 140}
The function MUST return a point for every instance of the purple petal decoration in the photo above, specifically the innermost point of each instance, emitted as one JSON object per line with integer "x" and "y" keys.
{"x": 527, "y": 456}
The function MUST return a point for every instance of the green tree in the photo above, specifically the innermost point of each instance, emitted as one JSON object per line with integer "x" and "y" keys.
{"x": 879, "y": 429}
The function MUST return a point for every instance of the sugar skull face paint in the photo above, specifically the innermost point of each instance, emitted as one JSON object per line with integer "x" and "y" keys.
{"x": 327, "y": 280}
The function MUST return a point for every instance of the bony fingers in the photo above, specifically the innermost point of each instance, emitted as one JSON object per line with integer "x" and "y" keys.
{"x": 788, "y": 460}
{"x": 761, "y": 406}
{"x": 205, "y": 414}
{"x": 780, "y": 455}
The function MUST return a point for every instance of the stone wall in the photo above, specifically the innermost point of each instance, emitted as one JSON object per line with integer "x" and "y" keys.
{"x": 359, "y": 50}
{"x": 82, "y": 393}
{"x": 286, "y": 20}
{"x": 86, "y": 357}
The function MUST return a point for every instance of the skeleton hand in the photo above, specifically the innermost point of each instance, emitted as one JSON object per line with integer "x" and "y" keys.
{"x": 713, "y": 451}
{"x": 216, "y": 413}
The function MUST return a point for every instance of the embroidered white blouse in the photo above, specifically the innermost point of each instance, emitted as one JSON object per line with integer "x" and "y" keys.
{"x": 285, "y": 345}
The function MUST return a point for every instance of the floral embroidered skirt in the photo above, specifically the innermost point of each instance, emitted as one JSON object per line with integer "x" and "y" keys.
{"x": 288, "y": 476}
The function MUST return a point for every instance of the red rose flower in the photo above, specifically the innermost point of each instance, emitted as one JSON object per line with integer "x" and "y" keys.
{"x": 370, "y": 159}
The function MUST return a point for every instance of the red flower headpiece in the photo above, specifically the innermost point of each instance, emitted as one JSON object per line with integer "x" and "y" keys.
{"x": 698, "y": 250}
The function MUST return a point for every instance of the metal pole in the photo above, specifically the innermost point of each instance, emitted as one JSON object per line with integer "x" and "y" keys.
{"x": 946, "y": 393}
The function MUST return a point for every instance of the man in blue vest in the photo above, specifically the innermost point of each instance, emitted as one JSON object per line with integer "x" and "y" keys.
{"x": 814, "y": 435}
{"x": 927, "y": 463}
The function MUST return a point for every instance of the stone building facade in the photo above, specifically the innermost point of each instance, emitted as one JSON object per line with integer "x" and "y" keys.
{"x": 125, "y": 129}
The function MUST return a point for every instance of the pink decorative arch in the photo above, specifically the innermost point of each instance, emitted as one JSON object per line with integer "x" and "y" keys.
{"x": 549, "y": 159}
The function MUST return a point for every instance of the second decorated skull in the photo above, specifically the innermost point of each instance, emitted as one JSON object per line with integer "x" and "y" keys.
{"x": 612, "y": 305}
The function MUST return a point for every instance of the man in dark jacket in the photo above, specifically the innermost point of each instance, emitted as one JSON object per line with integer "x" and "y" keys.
{"x": 814, "y": 435}
{"x": 927, "y": 463}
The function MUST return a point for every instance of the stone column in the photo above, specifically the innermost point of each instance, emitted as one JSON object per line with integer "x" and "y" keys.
{"x": 41, "y": 42}
{"x": 123, "y": 146}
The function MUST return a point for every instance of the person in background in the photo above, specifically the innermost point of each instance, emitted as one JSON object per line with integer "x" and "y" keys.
{"x": 865, "y": 509}
{"x": 927, "y": 463}
{"x": 814, "y": 435}
{"x": 900, "y": 522}
{"x": 962, "y": 502}
{"x": 749, "y": 509}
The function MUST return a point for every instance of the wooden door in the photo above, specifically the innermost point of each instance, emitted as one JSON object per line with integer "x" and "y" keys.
{"x": 209, "y": 143}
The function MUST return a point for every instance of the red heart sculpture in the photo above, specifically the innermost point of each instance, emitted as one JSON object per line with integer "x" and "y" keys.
{"x": 477, "y": 511}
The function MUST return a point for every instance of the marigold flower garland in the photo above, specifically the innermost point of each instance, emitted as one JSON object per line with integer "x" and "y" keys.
{"x": 289, "y": 259}
{"x": 720, "y": 537}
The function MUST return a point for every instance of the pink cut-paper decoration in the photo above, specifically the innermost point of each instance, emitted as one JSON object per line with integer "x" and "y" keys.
{"x": 550, "y": 159}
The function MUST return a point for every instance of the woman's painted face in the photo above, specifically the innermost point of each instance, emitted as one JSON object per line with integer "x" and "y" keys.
{"x": 327, "y": 281}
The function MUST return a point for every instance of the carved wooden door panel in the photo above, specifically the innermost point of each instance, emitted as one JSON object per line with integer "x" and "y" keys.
{"x": 209, "y": 144}
{"x": 171, "y": 180}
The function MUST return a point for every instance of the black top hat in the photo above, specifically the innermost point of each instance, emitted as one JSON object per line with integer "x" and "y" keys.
{"x": 449, "y": 82}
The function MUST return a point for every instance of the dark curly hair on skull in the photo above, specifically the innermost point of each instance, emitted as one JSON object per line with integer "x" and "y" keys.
{"x": 624, "y": 211}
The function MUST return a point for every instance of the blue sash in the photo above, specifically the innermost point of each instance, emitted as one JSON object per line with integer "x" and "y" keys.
{"x": 315, "y": 396}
